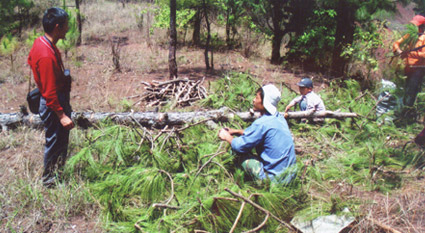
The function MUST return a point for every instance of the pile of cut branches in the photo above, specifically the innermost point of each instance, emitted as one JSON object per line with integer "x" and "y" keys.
{"x": 182, "y": 92}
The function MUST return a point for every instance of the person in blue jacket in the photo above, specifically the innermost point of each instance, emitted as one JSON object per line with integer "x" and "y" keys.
{"x": 271, "y": 138}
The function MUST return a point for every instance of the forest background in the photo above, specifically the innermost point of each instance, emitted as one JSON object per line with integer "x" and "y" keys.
{"x": 131, "y": 178}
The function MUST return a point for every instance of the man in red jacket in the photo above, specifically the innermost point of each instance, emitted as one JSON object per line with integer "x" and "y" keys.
{"x": 55, "y": 85}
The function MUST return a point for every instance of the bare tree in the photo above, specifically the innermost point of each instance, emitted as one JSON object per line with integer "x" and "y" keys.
{"x": 172, "y": 64}
{"x": 196, "y": 38}
{"x": 79, "y": 24}
{"x": 116, "y": 45}
{"x": 207, "y": 45}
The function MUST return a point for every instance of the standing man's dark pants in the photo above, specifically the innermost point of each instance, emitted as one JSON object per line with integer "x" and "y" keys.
{"x": 57, "y": 137}
{"x": 413, "y": 85}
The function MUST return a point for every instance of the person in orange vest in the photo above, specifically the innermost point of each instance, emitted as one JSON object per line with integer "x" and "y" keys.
{"x": 414, "y": 59}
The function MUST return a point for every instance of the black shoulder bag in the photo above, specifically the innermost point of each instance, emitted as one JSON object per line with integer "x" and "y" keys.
{"x": 33, "y": 99}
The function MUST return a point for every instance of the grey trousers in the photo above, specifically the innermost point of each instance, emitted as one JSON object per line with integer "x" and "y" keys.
{"x": 57, "y": 137}
{"x": 413, "y": 85}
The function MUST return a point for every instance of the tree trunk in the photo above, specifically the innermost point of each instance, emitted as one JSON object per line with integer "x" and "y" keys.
{"x": 207, "y": 45}
{"x": 276, "y": 43}
{"x": 212, "y": 59}
{"x": 80, "y": 29}
{"x": 277, "y": 20}
{"x": 172, "y": 64}
{"x": 21, "y": 21}
{"x": 228, "y": 26}
{"x": 344, "y": 35}
{"x": 158, "y": 119}
{"x": 12, "y": 67}
{"x": 148, "y": 27}
{"x": 196, "y": 38}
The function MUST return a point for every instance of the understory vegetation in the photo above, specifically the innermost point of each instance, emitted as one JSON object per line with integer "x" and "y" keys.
{"x": 176, "y": 179}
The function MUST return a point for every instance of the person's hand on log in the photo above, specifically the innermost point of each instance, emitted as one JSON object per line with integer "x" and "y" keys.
{"x": 234, "y": 131}
{"x": 224, "y": 135}
{"x": 288, "y": 107}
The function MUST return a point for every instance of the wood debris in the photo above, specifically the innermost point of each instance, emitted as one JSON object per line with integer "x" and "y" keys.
{"x": 182, "y": 92}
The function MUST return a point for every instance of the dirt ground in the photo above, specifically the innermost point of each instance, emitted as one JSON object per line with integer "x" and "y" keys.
{"x": 98, "y": 87}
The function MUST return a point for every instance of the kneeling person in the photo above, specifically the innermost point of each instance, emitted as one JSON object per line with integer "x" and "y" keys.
{"x": 271, "y": 138}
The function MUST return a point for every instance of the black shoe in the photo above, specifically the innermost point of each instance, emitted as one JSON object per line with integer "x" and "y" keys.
{"x": 49, "y": 182}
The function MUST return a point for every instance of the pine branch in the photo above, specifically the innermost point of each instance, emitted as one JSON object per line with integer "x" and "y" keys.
{"x": 259, "y": 226}
{"x": 240, "y": 214}
{"x": 255, "y": 205}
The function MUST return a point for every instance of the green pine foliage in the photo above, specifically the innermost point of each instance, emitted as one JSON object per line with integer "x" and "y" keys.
{"x": 8, "y": 46}
{"x": 72, "y": 35}
{"x": 31, "y": 38}
{"x": 129, "y": 169}
{"x": 15, "y": 15}
{"x": 361, "y": 53}
{"x": 359, "y": 147}
{"x": 409, "y": 42}
{"x": 314, "y": 46}
{"x": 183, "y": 17}
{"x": 242, "y": 86}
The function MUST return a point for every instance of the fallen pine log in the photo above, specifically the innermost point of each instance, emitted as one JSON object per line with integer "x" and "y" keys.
{"x": 323, "y": 114}
{"x": 12, "y": 120}
{"x": 157, "y": 119}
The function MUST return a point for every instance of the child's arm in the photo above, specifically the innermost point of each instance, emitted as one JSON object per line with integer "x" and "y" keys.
{"x": 293, "y": 103}
{"x": 290, "y": 105}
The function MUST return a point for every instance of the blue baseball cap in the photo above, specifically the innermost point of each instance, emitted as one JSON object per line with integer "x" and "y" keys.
{"x": 305, "y": 82}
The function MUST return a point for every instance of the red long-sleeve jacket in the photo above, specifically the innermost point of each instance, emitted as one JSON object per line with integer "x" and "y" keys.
{"x": 47, "y": 71}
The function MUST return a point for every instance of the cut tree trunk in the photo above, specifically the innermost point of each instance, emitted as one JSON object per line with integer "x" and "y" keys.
{"x": 157, "y": 119}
